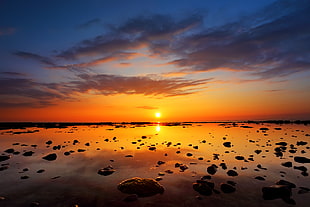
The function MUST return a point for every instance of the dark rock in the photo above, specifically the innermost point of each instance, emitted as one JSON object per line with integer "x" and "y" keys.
{"x": 4, "y": 157}
{"x": 131, "y": 198}
{"x": 106, "y": 171}
{"x": 226, "y": 188}
{"x": 67, "y": 153}
{"x": 212, "y": 169}
{"x": 287, "y": 164}
{"x": 189, "y": 154}
{"x": 152, "y": 148}
{"x": 227, "y": 144}
{"x": 230, "y": 182}
{"x": 195, "y": 147}
{"x": 232, "y": 173}
{"x": 183, "y": 167}
{"x": 142, "y": 187}
{"x": 24, "y": 177}
{"x": 206, "y": 177}
{"x": 49, "y": 142}
{"x": 169, "y": 171}
{"x": 303, "y": 190}
{"x": 28, "y": 153}
{"x": 50, "y": 157}
{"x": 301, "y": 168}
{"x": 81, "y": 150}
{"x": 40, "y": 171}
{"x": 223, "y": 165}
{"x": 300, "y": 143}
{"x": 160, "y": 162}
{"x": 258, "y": 151}
{"x": 287, "y": 183}
{"x": 202, "y": 188}
{"x": 239, "y": 157}
{"x": 128, "y": 155}
{"x": 281, "y": 143}
{"x": 2, "y": 168}
{"x": 34, "y": 204}
{"x": 301, "y": 159}
{"x": 276, "y": 191}
{"x": 9, "y": 150}
{"x": 259, "y": 178}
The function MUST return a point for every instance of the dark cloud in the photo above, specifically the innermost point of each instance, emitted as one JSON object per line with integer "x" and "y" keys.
{"x": 8, "y": 73}
{"x": 16, "y": 92}
{"x": 39, "y": 58}
{"x": 269, "y": 43}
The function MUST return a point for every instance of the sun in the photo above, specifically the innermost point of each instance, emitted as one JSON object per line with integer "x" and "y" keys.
{"x": 157, "y": 114}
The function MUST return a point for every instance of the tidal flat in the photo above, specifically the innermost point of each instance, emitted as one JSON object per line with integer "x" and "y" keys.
{"x": 194, "y": 164}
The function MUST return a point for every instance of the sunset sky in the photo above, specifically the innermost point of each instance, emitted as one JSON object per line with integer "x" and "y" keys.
{"x": 114, "y": 60}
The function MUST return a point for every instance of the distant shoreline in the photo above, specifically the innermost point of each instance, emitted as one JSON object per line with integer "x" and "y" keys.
{"x": 21, "y": 125}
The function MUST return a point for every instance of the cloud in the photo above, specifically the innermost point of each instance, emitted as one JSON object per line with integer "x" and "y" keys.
{"x": 272, "y": 42}
{"x": 39, "y": 58}
{"x": 27, "y": 92}
{"x": 8, "y": 73}
{"x": 147, "y": 107}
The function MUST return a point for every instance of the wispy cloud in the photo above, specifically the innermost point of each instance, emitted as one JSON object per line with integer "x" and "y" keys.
{"x": 39, "y": 58}
{"x": 90, "y": 23}
{"x": 25, "y": 91}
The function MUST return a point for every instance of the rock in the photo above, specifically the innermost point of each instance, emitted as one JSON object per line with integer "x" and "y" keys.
{"x": 4, "y": 157}
{"x": 49, "y": 142}
{"x": 287, "y": 164}
{"x": 301, "y": 168}
{"x": 259, "y": 178}
{"x": 142, "y": 187}
{"x": 24, "y": 177}
{"x": 223, "y": 165}
{"x": 203, "y": 188}
{"x": 131, "y": 198}
{"x": 227, "y": 144}
{"x": 212, "y": 169}
{"x": 152, "y": 148}
{"x": 276, "y": 191}
{"x": 281, "y": 143}
{"x": 4, "y": 168}
{"x": 303, "y": 190}
{"x": 9, "y": 150}
{"x": 81, "y": 150}
{"x": 67, "y": 153}
{"x": 232, "y": 173}
{"x": 160, "y": 162}
{"x": 239, "y": 157}
{"x": 189, "y": 154}
{"x": 301, "y": 159}
{"x": 258, "y": 151}
{"x": 226, "y": 188}
{"x": 40, "y": 171}
{"x": 33, "y": 204}
{"x": 28, "y": 153}
{"x": 300, "y": 143}
{"x": 50, "y": 157}
{"x": 287, "y": 183}
{"x": 106, "y": 171}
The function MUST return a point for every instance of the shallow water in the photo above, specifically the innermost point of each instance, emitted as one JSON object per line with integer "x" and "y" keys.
{"x": 73, "y": 180}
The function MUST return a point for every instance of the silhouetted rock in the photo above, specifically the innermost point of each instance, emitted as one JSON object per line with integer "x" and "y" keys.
{"x": 223, "y": 165}
{"x": 301, "y": 159}
{"x": 258, "y": 151}
{"x": 203, "y": 187}
{"x": 281, "y": 143}
{"x": 287, "y": 183}
{"x": 287, "y": 164}
{"x": 259, "y": 178}
{"x": 276, "y": 191}
{"x": 142, "y": 187}
{"x": 227, "y": 144}
{"x": 50, "y": 157}
{"x": 239, "y": 157}
{"x": 226, "y": 188}
{"x": 4, "y": 157}
{"x": 212, "y": 169}
{"x": 106, "y": 171}
{"x": 232, "y": 173}
{"x": 300, "y": 143}
{"x": 9, "y": 150}
{"x": 28, "y": 153}
{"x": 40, "y": 171}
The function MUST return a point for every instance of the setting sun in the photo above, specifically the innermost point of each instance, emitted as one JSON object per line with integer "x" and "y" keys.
{"x": 157, "y": 115}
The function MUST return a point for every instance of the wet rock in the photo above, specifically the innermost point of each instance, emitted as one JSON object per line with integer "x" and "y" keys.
{"x": 131, "y": 198}
{"x": 158, "y": 178}
{"x": 301, "y": 143}
{"x": 281, "y": 143}
{"x": 301, "y": 159}
{"x": 142, "y": 187}
{"x": 287, "y": 164}
{"x": 67, "y": 153}
{"x": 50, "y": 157}
{"x": 232, "y": 173}
{"x": 258, "y": 151}
{"x": 301, "y": 168}
{"x": 212, "y": 169}
{"x": 239, "y": 157}
{"x": 276, "y": 191}
{"x": 160, "y": 162}
{"x": 106, "y": 171}
{"x": 152, "y": 148}
{"x": 226, "y": 188}
{"x": 128, "y": 155}
{"x": 223, "y": 165}
{"x": 49, "y": 142}
{"x": 195, "y": 147}
{"x": 81, "y": 150}
{"x": 287, "y": 183}
{"x": 203, "y": 187}
{"x": 169, "y": 171}
{"x": 227, "y": 144}
{"x": 4, "y": 157}
{"x": 259, "y": 178}
{"x": 9, "y": 150}
{"x": 28, "y": 153}
{"x": 40, "y": 171}
{"x": 189, "y": 154}
{"x": 24, "y": 177}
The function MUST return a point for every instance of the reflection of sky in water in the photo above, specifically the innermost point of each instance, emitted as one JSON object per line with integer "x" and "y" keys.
{"x": 76, "y": 180}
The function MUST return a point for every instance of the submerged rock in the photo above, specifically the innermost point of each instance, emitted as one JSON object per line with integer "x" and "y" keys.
{"x": 50, "y": 157}
{"x": 142, "y": 187}
{"x": 226, "y": 188}
{"x": 203, "y": 187}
